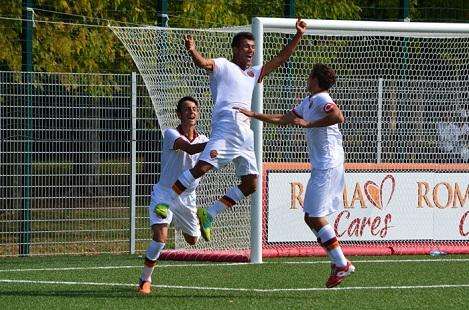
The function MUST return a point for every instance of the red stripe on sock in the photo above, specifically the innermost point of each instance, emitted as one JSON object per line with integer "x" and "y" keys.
{"x": 331, "y": 243}
{"x": 227, "y": 201}
{"x": 178, "y": 187}
{"x": 149, "y": 263}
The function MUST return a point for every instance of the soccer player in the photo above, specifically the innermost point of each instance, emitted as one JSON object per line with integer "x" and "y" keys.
{"x": 320, "y": 116}
{"x": 231, "y": 139}
{"x": 180, "y": 152}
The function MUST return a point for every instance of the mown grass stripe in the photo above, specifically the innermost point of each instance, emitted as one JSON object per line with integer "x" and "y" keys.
{"x": 240, "y": 289}
{"x": 375, "y": 261}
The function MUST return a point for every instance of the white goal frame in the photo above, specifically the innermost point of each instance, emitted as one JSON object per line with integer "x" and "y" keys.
{"x": 385, "y": 67}
{"x": 259, "y": 26}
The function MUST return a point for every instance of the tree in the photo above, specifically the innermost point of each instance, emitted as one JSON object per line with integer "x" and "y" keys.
{"x": 61, "y": 47}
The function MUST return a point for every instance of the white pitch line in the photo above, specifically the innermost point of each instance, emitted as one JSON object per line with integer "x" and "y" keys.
{"x": 119, "y": 267}
{"x": 241, "y": 289}
{"x": 420, "y": 260}
{"x": 379, "y": 261}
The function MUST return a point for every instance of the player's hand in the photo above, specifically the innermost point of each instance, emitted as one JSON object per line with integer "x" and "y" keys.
{"x": 300, "y": 122}
{"x": 246, "y": 112}
{"x": 300, "y": 26}
{"x": 189, "y": 43}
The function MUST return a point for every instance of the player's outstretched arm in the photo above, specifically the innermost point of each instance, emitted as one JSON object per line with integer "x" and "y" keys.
{"x": 334, "y": 116}
{"x": 199, "y": 60}
{"x": 283, "y": 56}
{"x": 278, "y": 119}
{"x": 191, "y": 149}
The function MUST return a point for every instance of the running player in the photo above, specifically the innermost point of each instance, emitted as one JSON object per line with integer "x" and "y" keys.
{"x": 180, "y": 152}
{"x": 320, "y": 116}
{"x": 231, "y": 139}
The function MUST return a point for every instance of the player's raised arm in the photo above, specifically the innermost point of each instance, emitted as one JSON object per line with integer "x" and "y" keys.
{"x": 283, "y": 56}
{"x": 199, "y": 60}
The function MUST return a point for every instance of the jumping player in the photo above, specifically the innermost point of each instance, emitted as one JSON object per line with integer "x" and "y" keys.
{"x": 231, "y": 139}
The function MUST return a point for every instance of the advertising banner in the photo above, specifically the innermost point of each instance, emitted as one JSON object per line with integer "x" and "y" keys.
{"x": 388, "y": 206}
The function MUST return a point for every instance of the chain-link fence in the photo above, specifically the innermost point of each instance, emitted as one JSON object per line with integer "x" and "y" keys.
{"x": 67, "y": 159}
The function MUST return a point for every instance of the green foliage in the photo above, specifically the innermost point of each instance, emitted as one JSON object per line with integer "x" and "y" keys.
{"x": 62, "y": 47}
{"x": 10, "y": 46}
{"x": 222, "y": 13}
{"x": 44, "y": 168}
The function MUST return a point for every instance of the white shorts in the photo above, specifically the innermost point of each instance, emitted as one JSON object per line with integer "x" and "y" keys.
{"x": 183, "y": 212}
{"x": 235, "y": 146}
{"x": 324, "y": 192}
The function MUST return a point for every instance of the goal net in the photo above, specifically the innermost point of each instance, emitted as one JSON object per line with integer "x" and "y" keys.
{"x": 404, "y": 91}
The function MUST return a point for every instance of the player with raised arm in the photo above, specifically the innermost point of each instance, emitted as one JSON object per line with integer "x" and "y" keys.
{"x": 231, "y": 139}
{"x": 320, "y": 116}
{"x": 181, "y": 146}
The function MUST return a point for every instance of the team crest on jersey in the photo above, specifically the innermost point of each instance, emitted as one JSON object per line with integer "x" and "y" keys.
{"x": 213, "y": 153}
{"x": 250, "y": 73}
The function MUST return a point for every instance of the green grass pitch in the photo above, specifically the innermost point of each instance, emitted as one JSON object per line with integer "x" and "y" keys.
{"x": 108, "y": 282}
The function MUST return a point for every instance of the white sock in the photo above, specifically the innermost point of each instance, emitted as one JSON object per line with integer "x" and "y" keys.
{"x": 317, "y": 235}
{"x": 336, "y": 255}
{"x": 233, "y": 193}
{"x": 152, "y": 254}
{"x": 216, "y": 208}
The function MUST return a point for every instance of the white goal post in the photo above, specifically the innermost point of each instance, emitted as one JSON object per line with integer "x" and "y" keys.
{"x": 404, "y": 90}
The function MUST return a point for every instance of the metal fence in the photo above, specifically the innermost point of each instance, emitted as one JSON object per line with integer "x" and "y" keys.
{"x": 80, "y": 152}
{"x": 74, "y": 149}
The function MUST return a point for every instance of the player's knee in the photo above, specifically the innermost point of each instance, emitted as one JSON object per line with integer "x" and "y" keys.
{"x": 248, "y": 188}
{"x": 315, "y": 223}
{"x": 252, "y": 187}
{"x": 191, "y": 240}
{"x": 248, "y": 185}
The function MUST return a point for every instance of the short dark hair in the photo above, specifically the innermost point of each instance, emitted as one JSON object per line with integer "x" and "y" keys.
{"x": 186, "y": 98}
{"x": 240, "y": 36}
{"x": 326, "y": 75}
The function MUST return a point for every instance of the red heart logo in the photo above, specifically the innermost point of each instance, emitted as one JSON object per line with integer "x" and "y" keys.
{"x": 375, "y": 193}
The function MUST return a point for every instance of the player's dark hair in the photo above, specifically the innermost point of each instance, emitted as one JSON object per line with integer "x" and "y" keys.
{"x": 186, "y": 98}
{"x": 326, "y": 75}
{"x": 240, "y": 36}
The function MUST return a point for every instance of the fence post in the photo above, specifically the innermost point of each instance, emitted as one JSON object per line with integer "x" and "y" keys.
{"x": 27, "y": 35}
{"x": 380, "y": 113}
{"x": 133, "y": 163}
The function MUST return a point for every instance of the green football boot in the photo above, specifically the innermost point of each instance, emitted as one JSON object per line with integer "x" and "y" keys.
{"x": 162, "y": 210}
{"x": 205, "y": 220}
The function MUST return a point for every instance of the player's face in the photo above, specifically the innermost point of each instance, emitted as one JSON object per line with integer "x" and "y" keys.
{"x": 189, "y": 113}
{"x": 244, "y": 53}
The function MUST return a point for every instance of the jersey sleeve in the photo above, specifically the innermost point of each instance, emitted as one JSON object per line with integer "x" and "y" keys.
{"x": 169, "y": 137}
{"x": 299, "y": 109}
{"x": 257, "y": 73}
{"x": 203, "y": 139}
{"x": 325, "y": 103}
{"x": 219, "y": 67}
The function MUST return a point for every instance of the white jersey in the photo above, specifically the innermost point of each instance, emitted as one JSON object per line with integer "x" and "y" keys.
{"x": 231, "y": 87}
{"x": 174, "y": 162}
{"x": 324, "y": 143}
